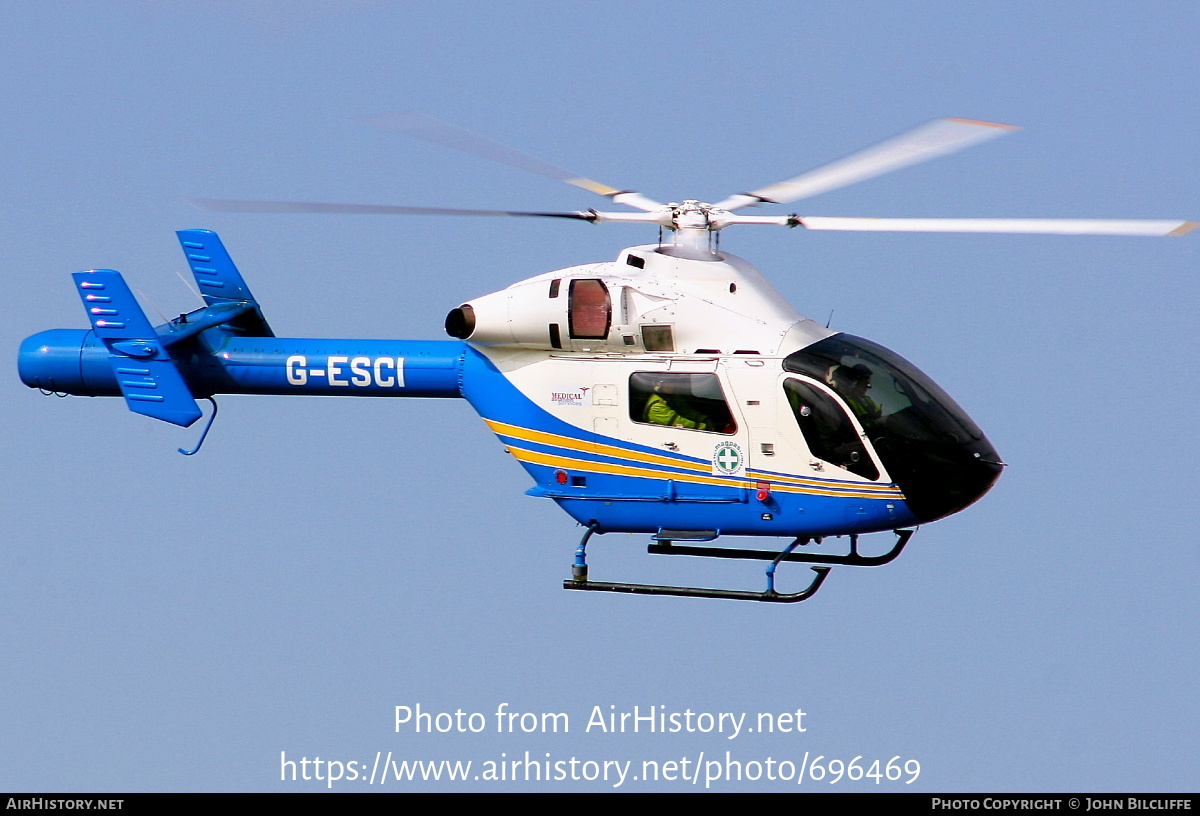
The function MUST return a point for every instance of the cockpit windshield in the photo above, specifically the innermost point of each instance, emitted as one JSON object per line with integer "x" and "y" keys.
{"x": 930, "y": 447}
{"x": 881, "y": 386}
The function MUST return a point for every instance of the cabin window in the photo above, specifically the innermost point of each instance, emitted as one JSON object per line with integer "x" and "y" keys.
{"x": 590, "y": 310}
{"x": 693, "y": 401}
{"x": 827, "y": 429}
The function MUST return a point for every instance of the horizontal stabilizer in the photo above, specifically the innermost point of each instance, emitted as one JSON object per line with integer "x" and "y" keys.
{"x": 219, "y": 280}
{"x": 145, "y": 372}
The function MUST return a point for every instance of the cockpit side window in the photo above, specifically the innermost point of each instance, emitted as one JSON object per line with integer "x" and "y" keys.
{"x": 827, "y": 429}
{"x": 678, "y": 400}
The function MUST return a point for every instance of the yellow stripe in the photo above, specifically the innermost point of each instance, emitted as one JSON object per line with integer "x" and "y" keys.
{"x": 542, "y": 437}
{"x": 1184, "y": 228}
{"x": 879, "y": 491}
{"x": 530, "y": 435}
{"x": 551, "y": 460}
{"x": 564, "y": 462}
{"x": 779, "y": 481}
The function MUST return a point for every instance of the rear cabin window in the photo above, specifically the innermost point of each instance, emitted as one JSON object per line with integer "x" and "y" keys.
{"x": 676, "y": 400}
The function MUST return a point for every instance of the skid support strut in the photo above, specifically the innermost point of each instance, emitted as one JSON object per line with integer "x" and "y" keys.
{"x": 579, "y": 580}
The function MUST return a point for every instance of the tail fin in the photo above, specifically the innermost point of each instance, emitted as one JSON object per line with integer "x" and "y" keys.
{"x": 219, "y": 280}
{"x": 149, "y": 380}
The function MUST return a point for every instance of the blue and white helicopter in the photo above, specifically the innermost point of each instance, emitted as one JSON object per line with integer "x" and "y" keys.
{"x": 671, "y": 391}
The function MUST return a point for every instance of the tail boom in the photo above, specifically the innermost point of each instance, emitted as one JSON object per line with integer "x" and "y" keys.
{"x": 74, "y": 361}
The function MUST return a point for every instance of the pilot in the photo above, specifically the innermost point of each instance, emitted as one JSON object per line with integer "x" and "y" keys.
{"x": 853, "y": 382}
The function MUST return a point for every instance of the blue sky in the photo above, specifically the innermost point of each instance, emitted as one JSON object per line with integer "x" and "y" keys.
{"x": 172, "y": 623}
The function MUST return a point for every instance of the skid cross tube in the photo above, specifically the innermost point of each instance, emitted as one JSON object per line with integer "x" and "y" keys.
{"x": 579, "y": 580}
{"x": 851, "y": 559}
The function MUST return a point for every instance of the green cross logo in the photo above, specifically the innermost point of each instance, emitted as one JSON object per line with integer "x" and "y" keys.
{"x": 727, "y": 458}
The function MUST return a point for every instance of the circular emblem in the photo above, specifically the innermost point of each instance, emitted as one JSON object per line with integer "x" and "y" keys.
{"x": 727, "y": 458}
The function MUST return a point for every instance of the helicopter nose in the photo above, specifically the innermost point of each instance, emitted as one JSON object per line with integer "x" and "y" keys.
{"x": 938, "y": 480}
{"x": 968, "y": 481}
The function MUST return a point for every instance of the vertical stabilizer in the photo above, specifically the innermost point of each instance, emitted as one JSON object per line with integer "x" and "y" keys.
{"x": 149, "y": 380}
{"x": 219, "y": 280}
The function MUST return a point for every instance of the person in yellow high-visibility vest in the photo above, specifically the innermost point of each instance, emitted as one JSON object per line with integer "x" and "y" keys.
{"x": 852, "y": 382}
{"x": 676, "y": 411}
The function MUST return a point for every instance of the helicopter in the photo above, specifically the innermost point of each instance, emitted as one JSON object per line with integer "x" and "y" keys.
{"x": 670, "y": 392}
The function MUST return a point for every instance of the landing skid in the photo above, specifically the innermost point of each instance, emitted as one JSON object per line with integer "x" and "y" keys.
{"x": 851, "y": 559}
{"x": 579, "y": 572}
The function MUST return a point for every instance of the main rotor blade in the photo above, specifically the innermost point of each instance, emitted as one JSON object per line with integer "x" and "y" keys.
{"x": 433, "y": 130}
{"x": 928, "y": 141}
{"x": 231, "y": 205}
{"x": 1020, "y": 226}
